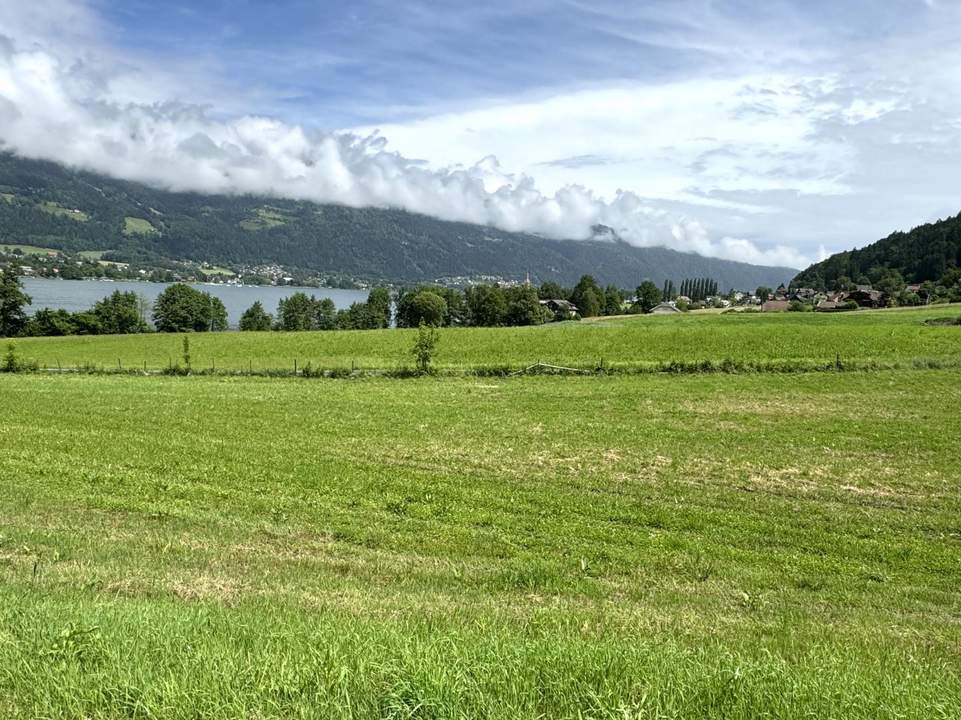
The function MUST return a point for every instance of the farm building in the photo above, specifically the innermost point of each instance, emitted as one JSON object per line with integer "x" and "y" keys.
{"x": 864, "y": 296}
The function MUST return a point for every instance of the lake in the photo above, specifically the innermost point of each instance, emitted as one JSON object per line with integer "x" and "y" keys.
{"x": 74, "y": 295}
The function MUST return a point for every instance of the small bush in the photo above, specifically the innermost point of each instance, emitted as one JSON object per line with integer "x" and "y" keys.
{"x": 10, "y": 361}
{"x": 425, "y": 347}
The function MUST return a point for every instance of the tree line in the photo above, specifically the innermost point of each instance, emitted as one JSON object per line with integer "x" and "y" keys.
{"x": 181, "y": 308}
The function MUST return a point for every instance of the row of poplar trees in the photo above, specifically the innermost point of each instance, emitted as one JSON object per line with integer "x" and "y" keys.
{"x": 699, "y": 288}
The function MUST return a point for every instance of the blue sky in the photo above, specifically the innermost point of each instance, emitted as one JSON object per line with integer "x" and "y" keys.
{"x": 769, "y": 132}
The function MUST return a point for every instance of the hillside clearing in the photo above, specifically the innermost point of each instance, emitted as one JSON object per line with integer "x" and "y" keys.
{"x": 138, "y": 226}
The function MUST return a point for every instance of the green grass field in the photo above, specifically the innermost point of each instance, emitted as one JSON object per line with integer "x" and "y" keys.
{"x": 754, "y": 545}
{"x": 27, "y": 249}
{"x": 57, "y": 209}
{"x": 138, "y": 226}
{"x": 886, "y": 336}
{"x": 699, "y": 546}
{"x": 265, "y": 218}
{"x": 217, "y": 270}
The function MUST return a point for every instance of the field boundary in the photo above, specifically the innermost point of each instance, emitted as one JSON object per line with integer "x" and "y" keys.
{"x": 598, "y": 369}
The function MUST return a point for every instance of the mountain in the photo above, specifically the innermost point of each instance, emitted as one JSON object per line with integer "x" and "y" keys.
{"x": 925, "y": 253}
{"x": 47, "y": 205}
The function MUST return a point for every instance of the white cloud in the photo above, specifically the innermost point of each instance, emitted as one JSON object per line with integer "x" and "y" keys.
{"x": 732, "y": 134}
{"x": 769, "y": 134}
{"x": 51, "y": 110}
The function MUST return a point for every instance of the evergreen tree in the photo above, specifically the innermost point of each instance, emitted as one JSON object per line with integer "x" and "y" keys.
{"x": 120, "y": 314}
{"x": 12, "y": 303}
{"x": 612, "y": 300}
{"x": 378, "y": 301}
{"x": 587, "y": 296}
{"x": 256, "y": 318}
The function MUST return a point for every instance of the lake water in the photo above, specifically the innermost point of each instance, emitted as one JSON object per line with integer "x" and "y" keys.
{"x": 74, "y": 295}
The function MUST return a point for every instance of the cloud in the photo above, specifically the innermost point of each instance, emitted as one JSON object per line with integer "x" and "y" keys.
{"x": 62, "y": 112}
{"x": 762, "y": 132}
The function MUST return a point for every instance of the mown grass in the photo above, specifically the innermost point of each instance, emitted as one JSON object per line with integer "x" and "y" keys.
{"x": 138, "y": 226}
{"x": 862, "y": 337}
{"x": 54, "y": 208}
{"x": 265, "y": 218}
{"x": 699, "y": 546}
{"x": 27, "y": 249}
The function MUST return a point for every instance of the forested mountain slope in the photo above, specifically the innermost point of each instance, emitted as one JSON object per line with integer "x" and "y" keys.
{"x": 47, "y": 205}
{"x": 925, "y": 253}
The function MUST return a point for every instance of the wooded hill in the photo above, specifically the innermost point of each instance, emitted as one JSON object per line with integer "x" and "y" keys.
{"x": 47, "y": 205}
{"x": 924, "y": 254}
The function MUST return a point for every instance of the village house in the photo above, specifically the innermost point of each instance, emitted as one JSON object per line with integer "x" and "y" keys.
{"x": 864, "y": 296}
{"x": 560, "y": 308}
{"x": 803, "y": 294}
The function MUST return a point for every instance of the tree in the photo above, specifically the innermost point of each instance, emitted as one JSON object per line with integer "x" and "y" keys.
{"x": 181, "y": 308}
{"x": 47, "y": 323}
{"x": 424, "y": 347}
{"x": 360, "y": 316}
{"x": 524, "y": 307}
{"x": 86, "y": 323}
{"x": 12, "y": 303}
{"x": 119, "y": 314}
{"x": 587, "y": 296}
{"x": 763, "y": 293}
{"x": 296, "y": 312}
{"x": 424, "y": 306}
{"x": 648, "y": 295}
{"x": 325, "y": 314}
{"x": 486, "y": 305}
{"x": 612, "y": 300}
{"x": 378, "y": 302}
{"x": 255, "y": 318}
{"x": 550, "y": 290}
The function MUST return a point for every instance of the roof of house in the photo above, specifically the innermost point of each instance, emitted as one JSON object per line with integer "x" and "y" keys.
{"x": 665, "y": 307}
{"x": 559, "y": 304}
{"x": 775, "y": 305}
{"x": 874, "y": 295}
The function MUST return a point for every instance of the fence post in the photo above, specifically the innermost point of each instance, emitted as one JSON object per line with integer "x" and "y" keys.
{"x": 295, "y": 366}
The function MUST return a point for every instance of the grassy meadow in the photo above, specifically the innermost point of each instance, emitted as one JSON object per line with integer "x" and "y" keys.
{"x": 757, "y": 545}
{"x": 887, "y": 336}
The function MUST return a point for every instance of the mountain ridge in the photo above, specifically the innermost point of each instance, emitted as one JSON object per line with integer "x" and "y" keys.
{"x": 47, "y": 204}
{"x": 924, "y": 253}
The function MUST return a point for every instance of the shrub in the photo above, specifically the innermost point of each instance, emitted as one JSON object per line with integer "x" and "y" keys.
{"x": 424, "y": 348}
